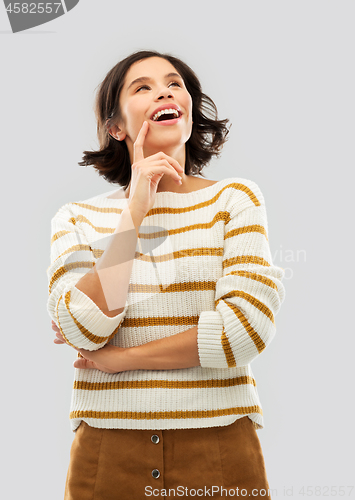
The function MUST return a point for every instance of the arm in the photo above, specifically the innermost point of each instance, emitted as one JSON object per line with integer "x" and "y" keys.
{"x": 248, "y": 295}
{"x": 107, "y": 283}
{"x": 87, "y": 312}
{"x": 247, "y": 298}
{"x": 169, "y": 353}
{"x": 175, "y": 352}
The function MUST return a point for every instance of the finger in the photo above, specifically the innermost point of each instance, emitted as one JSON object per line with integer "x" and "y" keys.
{"x": 162, "y": 156}
{"x": 94, "y": 356}
{"x": 58, "y": 341}
{"x": 173, "y": 162}
{"x": 55, "y": 328}
{"x": 101, "y": 356}
{"x": 83, "y": 363}
{"x": 162, "y": 167}
{"x": 138, "y": 154}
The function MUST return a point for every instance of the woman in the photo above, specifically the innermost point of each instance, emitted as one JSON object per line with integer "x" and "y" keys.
{"x": 167, "y": 291}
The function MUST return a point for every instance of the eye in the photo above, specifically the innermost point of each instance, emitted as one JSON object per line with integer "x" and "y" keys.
{"x": 174, "y": 83}
{"x": 142, "y": 87}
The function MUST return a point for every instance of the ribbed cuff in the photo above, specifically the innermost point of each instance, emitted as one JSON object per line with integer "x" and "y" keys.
{"x": 210, "y": 346}
{"x": 86, "y": 326}
{"x": 209, "y": 343}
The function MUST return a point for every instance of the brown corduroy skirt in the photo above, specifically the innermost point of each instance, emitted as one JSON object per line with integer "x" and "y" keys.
{"x": 120, "y": 464}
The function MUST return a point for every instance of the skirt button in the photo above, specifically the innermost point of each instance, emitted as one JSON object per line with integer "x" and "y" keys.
{"x": 155, "y": 473}
{"x": 155, "y": 439}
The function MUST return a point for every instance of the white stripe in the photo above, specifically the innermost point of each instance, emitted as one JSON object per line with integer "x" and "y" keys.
{"x": 184, "y": 423}
{"x": 165, "y": 400}
{"x": 182, "y": 375}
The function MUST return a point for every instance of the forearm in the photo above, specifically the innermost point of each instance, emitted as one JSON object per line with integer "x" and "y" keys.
{"x": 169, "y": 353}
{"x": 107, "y": 283}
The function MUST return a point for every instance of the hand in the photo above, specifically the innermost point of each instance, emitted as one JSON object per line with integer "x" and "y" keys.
{"x": 108, "y": 359}
{"x": 147, "y": 172}
{"x": 59, "y": 337}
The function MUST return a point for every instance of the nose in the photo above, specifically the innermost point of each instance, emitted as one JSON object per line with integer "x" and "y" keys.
{"x": 164, "y": 93}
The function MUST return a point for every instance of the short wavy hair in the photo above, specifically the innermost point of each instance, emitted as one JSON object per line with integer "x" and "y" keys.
{"x": 112, "y": 160}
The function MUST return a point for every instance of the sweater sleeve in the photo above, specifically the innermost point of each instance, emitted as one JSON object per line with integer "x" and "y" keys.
{"x": 247, "y": 296}
{"x": 80, "y": 320}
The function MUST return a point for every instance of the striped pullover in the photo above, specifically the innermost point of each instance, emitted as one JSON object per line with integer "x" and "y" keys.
{"x": 202, "y": 258}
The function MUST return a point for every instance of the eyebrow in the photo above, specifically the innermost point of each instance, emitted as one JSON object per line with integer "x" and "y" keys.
{"x": 142, "y": 79}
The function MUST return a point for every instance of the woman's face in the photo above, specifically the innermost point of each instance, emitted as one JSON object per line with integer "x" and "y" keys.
{"x": 152, "y": 85}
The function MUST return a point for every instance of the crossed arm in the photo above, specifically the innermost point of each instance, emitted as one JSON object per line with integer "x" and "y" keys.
{"x": 174, "y": 352}
{"x": 233, "y": 333}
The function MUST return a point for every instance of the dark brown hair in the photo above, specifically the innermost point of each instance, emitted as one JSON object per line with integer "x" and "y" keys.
{"x": 112, "y": 161}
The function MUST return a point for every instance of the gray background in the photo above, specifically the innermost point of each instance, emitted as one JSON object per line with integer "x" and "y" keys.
{"x": 283, "y": 73}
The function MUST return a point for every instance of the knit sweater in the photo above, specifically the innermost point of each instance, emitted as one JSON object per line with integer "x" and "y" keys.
{"x": 202, "y": 258}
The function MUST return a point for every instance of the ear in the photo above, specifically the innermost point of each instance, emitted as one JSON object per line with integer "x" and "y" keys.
{"x": 116, "y": 132}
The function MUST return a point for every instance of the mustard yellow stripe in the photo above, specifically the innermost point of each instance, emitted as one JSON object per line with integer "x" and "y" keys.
{"x": 103, "y": 210}
{"x": 59, "y": 326}
{"x": 255, "y": 337}
{"x": 224, "y": 216}
{"x": 220, "y": 216}
{"x": 256, "y": 277}
{"x": 191, "y": 320}
{"x": 163, "y": 384}
{"x": 255, "y": 228}
{"x": 160, "y": 321}
{"x": 173, "y": 287}
{"x": 246, "y": 190}
{"x": 77, "y": 248}
{"x": 188, "y": 252}
{"x": 252, "y": 300}
{"x": 235, "y": 185}
{"x": 99, "y": 229}
{"x": 89, "y": 335}
{"x": 228, "y": 350}
{"x": 68, "y": 267}
{"x": 244, "y": 259}
{"x": 58, "y": 235}
{"x": 160, "y": 415}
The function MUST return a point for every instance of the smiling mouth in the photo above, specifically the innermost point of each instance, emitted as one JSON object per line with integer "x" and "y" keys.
{"x": 166, "y": 114}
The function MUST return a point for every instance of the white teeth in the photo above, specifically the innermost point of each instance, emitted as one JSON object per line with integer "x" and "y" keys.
{"x": 170, "y": 111}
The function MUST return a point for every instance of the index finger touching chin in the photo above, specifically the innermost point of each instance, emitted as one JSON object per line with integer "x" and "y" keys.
{"x": 138, "y": 154}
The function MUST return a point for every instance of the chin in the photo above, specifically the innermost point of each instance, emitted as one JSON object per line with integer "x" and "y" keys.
{"x": 166, "y": 142}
